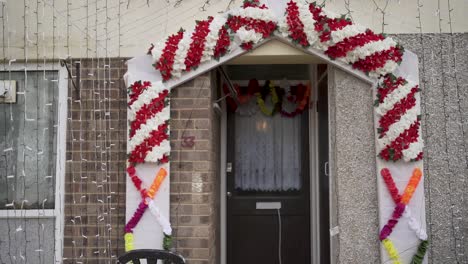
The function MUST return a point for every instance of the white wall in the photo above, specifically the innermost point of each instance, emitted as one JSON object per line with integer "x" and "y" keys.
{"x": 78, "y": 31}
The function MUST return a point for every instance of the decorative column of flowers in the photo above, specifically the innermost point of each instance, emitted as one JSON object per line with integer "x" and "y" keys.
{"x": 148, "y": 141}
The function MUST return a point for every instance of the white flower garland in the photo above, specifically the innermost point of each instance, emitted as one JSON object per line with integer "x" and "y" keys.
{"x": 398, "y": 127}
{"x": 181, "y": 54}
{"x": 347, "y": 32}
{"x": 368, "y": 49}
{"x": 394, "y": 97}
{"x": 157, "y": 51}
{"x": 309, "y": 23}
{"x": 247, "y": 36}
{"x": 212, "y": 38}
{"x": 162, "y": 220}
{"x": 414, "y": 149}
{"x": 388, "y": 67}
{"x": 157, "y": 153}
{"x": 414, "y": 224}
{"x": 254, "y": 13}
{"x": 145, "y": 129}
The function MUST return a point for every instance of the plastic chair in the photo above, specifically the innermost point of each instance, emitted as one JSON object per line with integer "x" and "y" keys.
{"x": 152, "y": 256}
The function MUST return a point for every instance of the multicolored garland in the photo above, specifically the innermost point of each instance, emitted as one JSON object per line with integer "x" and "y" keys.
{"x": 147, "y": 196}
{"x": 300, "y": 96}
{"x": 402, "y": 208}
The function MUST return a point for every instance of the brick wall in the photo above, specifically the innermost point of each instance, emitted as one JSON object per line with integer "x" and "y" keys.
{"x": 194, "y": 171}
{"x": 95, "y": 178}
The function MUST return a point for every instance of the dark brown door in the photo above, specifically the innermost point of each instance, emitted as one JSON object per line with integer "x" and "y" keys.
{"x": 268, "y": 161}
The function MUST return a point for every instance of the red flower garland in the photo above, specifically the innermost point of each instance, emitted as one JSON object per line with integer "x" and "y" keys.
{"x": 197, "y": 45}
{"x": 223, "y": 43}
{"x": 165, "y": 63}
{"x": 295, "y": 25}
{"x": 392, "y": 189}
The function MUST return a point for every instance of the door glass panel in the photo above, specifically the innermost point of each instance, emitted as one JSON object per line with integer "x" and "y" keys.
{"x": 267, "y": 149}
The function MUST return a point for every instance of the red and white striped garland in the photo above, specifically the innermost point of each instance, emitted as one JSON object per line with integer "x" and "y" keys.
{"x": 252, "y": 23}
{"x": 148, "y": 116}
{"x": 398, "y": 111}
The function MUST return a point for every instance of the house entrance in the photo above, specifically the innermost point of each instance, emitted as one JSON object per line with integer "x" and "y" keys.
{"x": 268, "y": 165}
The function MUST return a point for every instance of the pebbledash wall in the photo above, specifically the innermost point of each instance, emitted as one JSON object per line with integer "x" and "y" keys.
{"x": 195, "y": 171}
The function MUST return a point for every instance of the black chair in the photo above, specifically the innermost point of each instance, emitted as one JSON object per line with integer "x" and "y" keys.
{"x": 152, "y": 256}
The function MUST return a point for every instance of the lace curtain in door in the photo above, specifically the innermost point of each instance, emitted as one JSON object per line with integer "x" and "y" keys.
{"x": 267, "y": 150}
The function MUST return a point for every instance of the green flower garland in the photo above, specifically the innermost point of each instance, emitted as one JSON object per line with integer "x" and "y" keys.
{"x": 419, "y": 256}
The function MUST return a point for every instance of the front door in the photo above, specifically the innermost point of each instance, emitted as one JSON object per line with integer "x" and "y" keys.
{"x": 268, "y": 207}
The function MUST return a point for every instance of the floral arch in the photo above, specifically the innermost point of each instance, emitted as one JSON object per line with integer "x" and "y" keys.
{"x": 376, "y": 58}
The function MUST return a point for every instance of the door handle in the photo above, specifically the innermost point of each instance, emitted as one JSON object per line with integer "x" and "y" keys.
{"x": 228, "y": 194}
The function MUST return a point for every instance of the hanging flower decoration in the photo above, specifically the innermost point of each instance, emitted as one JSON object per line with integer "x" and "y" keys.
{"x": 274, "y": 99}
{"x": 302, "y": 99}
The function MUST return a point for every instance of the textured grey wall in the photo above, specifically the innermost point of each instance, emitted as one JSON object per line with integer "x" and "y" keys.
{"x": 443, "y": 66}
{"x": 354, "y": 192}
{"x": 444, "y": 79}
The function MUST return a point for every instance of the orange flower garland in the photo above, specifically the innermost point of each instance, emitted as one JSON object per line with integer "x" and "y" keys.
{"x": 411, "y": 187}
{"x": 157, "y": 183}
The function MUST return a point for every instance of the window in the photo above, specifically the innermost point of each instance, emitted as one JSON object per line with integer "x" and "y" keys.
{"x": 32, "y": 150}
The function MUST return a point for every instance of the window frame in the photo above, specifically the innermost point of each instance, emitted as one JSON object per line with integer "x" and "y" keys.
{"x": 58, "y": 212}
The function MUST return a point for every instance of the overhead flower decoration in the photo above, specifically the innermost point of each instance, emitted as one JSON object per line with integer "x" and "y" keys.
{"x": 185, "y": 51}
{"x": 251, "y": 23}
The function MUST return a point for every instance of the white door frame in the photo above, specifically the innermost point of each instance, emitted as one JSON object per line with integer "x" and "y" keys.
{"x": 313, "y": 174}
{"x": 58, "y": 212}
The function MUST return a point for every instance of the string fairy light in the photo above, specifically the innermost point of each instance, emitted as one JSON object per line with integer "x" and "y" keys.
{"x": 459, "y": 249}
{"x": 382, "y": 10}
